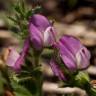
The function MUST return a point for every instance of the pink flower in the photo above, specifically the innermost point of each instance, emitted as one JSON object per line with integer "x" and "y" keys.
{"x": 41, "y": 32}
{"x": 73, "y": 54}
{"x": 15, "y": 59}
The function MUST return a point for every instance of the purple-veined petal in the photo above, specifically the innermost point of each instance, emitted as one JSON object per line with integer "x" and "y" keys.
{"x": 57, "y": 71}
{"x": 23, "y": 54}
{"x": 42, "y": 34}
{"x": 72, "y": 43}
{"x": 36, "y": 37}
{"x": 40, "y": 22}
{"x": 73, "y": 53}
{"x": 67, "y": 57}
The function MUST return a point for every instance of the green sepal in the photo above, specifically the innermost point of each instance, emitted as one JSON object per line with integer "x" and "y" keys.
{"x": 82, "y": 80}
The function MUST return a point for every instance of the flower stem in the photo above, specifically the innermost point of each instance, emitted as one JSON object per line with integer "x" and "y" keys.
{"x": 37, "y": 58}
{"x": 40, "y": 76}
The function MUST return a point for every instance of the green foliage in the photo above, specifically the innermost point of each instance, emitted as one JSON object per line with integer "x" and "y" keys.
{"x": 30, "y": 77}
{"x": 21, "y": 16}
{"x": 29, "y": 81}
{"x": 20, "y": 90}
{"x": 91, "y": 92}
{"x": 2, "y": 82}
{"x": 82, "y": 81}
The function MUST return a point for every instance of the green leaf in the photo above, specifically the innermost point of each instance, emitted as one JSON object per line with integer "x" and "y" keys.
{"x": 12, "y": 19}
{"x": 91, "y": 91}
{"x": 31, "y": 85}
{"x": 31, "y": 80}
{"x": 23, "y": 6}
{"x": 20, "y": 90}
{"x": 29, "y": 13}
{"x": 17, "y": 8}
{"x": 2, "y": 83}
{"x": 20, "y": 8}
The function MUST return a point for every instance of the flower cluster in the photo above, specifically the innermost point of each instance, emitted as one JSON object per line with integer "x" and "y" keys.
{"x": 41, "y": 34}
{"x": 70, "y": 52}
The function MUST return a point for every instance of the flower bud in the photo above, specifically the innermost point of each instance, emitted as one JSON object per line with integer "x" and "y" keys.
{"x": 41, "y": 32}
{"x": 72, "y": 53}
{"x": 15, "y": 59}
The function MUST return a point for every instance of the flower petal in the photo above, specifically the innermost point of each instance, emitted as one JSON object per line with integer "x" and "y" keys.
{"x": 72, "y": 43}
{"x": 23, "y": 54}
{"x": 57, "y": 71}
{"x": 36, "y": 37}
{"x": 73, "y": 53}
{"x": 40, "y": 22}
{"x": 12, "y": 58}
{"x": 49, "y": 36}
{"x": 83, "y": 58}
{"x": 67, "y": 57}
